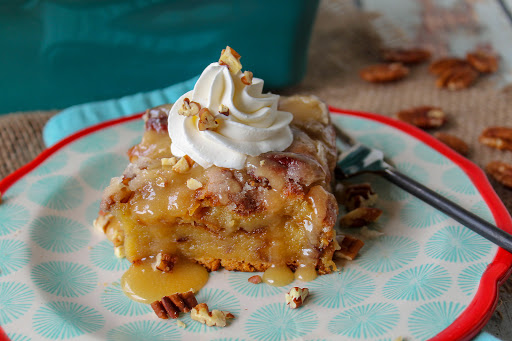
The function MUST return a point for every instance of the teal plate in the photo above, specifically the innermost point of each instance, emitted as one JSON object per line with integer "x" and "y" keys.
{"x": 425, "y": 276}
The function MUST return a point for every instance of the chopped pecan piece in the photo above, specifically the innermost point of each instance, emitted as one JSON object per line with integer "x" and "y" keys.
{"x": 231, "y": 59}
{"x": 164, "y": 262}
{"x": 169, "y": 161}
{"x": 360, "y": 217}
{"x": 383, "y": 73}
{"x": 349, "y": 247}
{"x": 426, "y": 117}
{"x": 482, "y": 61}
{"x": 497, "y": 137}
{"x": 217, "y": 318}
{"x": 406, "y": 56}
{"x": 500, "y": 171}
{"x": 453, "y": 142}
{"x": 256, "y": 279}
{"x": 296, "y": 296}
{"x": 102, "y": 221}
{"x": 358, "y": 195}
{"x": 189, "y": 108}
{"x": 174, "y": 304}
{"x": 206, "y": 120}
{"x": 183, "y": 165}
{"x": 247, "y": 78}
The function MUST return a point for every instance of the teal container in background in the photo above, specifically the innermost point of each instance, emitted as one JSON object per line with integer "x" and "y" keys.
{"x": 58, "y": 53}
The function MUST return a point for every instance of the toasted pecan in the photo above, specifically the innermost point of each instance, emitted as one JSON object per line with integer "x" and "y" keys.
{"x": 497, "y": 137}
{"x": 482, "y": 61}
{"x": 426, "y": 117}
{"x": 384, "y": 73}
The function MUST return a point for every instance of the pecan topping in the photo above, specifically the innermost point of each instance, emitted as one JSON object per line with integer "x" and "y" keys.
{"x": 482, "y": 61}
{"x": 183, "y": 165}
{"x": 426, "y": 117}
{"x": 206, "y": 120}
{"x": 453, "y": 142}
{"x": 223, "y": 110}
{"x": 349, "y": 247}
{"x": 256, "y": 279}
{"x": 383, "y": 73}
{"x": 360, "y": 217}
{"x": 296, "y": 296}
{"x": 406, "y": 56}
{"x": 217, "y": 318}
{"x": 247, "y": 78}
{"x": 357, "y": 195}
{"x": 159, "y": 310}
{"x": 171, "y": 306}
{"x": 164, "y": 262}
{"x": 189, "y": 108}
{"x": 501, "y": 172}
{"x": 231, "y": 59}
{"x": 497, "y": 137}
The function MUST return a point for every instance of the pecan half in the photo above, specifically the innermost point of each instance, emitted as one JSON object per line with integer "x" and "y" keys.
{"x": 349, "y": 247}
{"x": 383, "y": 73}
{"x": 497, "y": 137}
{"x": 164, "y": 262}
{"x": 482, "y": 61}
{"x": 206, "y": 120}
{"x": 171, "y": 306}
{"x": 406, "y": 56}
{"x": 296, "y": 296}
{"x": 500, "y": 171}
{"x": 360, "y": 217}
{"x": 426, "y": 117}
{"x": 453, "y": 142}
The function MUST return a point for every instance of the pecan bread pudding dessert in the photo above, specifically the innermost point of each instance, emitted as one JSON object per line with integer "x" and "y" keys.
{"x": 229, "y": 177}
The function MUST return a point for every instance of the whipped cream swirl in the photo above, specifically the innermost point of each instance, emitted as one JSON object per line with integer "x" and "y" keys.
{"x": 253, "y": 126}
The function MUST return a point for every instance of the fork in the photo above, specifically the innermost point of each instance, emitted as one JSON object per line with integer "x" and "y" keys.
{"x": 357, "y": 158}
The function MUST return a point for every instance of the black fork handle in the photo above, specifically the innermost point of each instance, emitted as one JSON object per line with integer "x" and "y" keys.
{"x": 448, "y": 207}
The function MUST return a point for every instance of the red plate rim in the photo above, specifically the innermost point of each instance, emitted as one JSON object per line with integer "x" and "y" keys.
{"x": 479, "y": 310}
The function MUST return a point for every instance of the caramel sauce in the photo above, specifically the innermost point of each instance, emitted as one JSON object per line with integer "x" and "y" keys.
{"x": 278, "y": 276}
{"x": 143, "y": 284}
{"x": 306, "y": 273}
